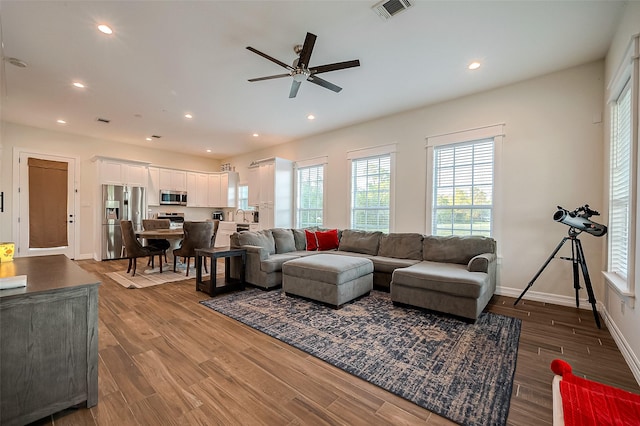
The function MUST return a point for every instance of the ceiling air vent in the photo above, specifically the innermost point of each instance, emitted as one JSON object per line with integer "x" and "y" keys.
{"x": 389, "y": 8}
{"x": 103, "y": 120}
{"x": 156, "y": 136}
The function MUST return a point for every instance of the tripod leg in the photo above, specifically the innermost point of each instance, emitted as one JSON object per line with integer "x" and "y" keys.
{"x": 575, "y": 262}
{"x": 558, "y": 247}
{"x": 587, "y": 281}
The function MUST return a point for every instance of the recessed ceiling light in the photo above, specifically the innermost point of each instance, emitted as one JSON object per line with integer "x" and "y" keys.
{"x": 78, "y": 85}
{"x": 149, "y": 139}
{"x": 208, "y": 150}
{"x": 255, "y": 135}
{"x": 474, "y": 65}
{"x": 188, "y": 116}
{"x": 105, "y": 29}
{"x": 311, "y": 117}
{"x": 61, "y": 122}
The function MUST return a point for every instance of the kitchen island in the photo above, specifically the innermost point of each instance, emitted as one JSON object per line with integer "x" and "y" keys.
{"x": 49, "y": 335}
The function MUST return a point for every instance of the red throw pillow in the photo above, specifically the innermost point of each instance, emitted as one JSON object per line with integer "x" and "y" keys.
{"x": 312, "y": 243}
{"x": 327, "y": 240}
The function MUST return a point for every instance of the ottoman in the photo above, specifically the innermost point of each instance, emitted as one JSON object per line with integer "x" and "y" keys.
{"x": 328, "y": 278}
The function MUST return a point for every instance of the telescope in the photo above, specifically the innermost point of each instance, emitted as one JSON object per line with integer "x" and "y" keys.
{"x": 579, "y": 219}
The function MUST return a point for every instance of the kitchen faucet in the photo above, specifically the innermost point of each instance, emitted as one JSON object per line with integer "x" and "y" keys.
{"x": 244, "y": 219}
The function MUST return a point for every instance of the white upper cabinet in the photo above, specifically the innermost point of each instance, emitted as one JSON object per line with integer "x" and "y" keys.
{"x": 153, "y": 187}
{"x": 223, "y": 189}
{"x": 173, "y": 180}
{"x": 197, "y": 189}
{"x": 113, "y": 171}
{"x": 271, "y": 183}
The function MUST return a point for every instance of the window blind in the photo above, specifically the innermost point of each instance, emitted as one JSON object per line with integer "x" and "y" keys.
{"x": 620, "y": 169}
{"x": 310, "y": 196}
{"x": 371, "y": 193}
{"x": 463, "y": 188}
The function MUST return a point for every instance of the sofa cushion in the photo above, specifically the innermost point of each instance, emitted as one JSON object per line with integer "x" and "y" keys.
{"x": 449, "y": 278}
{"x": 390, "y": 264}
{"x": 284, "y": 240}
{"x": 365, "y": 242}
{"x": 300, "y": 239}
{"x": 455, "y": 249}
{"x": 274, "y": 262}
{"x": 327, "y": 240}
{"x": 328, "y": 268}
{"x": 402, "y": 246}
{"x": 312, "y": 242}
{"x": 262, "y": 238}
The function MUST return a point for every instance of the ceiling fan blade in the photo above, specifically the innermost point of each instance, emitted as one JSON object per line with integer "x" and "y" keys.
{"x": 334, "y": 67}
{"x": 269, "y": 77}
{"x": 264, "y": 55}
{"x": 307, "y": 48}
{"x": 324, "y": 83}
{"x": 295, "y": 85}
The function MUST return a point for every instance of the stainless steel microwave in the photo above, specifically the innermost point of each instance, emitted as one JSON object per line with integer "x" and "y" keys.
{"x": 176, "y": 198}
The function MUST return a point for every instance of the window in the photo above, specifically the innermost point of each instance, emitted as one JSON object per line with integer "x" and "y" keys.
{"x": 243, "y": 197}
{"x": 619, "y": 178}
{"x": 310, "y": 196}
{"x": 463, "y": 189}
{"x": 463, "y": 179}
{"x": 371, "y": 193}
{"x": 623, "y": 139}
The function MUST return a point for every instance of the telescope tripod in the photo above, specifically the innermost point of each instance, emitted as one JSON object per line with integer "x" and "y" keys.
{"x": 577, "y": 258}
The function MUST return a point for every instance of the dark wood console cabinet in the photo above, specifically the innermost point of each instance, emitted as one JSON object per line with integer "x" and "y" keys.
{"x": 48, "y": 339}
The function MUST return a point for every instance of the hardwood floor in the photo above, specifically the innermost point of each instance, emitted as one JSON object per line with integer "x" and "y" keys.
{"x": 165, "y": 359}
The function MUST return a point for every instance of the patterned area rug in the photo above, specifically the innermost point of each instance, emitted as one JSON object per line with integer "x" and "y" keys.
{"x": 461, "y": 371}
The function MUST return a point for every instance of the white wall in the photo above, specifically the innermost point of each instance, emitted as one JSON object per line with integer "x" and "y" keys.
{"x": 624, "y": 316}
{"x": 552, "y": 156}
{"x": 15, "y": 136}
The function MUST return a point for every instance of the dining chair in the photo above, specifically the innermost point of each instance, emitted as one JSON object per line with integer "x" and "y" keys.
{"x": 134, "y": 250}
{"x": 153, "y": 224}
{"x": 197, "y": 235}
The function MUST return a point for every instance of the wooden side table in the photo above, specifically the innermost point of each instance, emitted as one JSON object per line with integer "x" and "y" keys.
{"x": 214, "y": 253}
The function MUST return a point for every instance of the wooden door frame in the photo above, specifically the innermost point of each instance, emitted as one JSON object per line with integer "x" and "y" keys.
{"x": 15, "y": 228}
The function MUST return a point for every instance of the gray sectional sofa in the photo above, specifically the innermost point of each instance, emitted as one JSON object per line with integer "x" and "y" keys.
{"x": 455, "y": 275}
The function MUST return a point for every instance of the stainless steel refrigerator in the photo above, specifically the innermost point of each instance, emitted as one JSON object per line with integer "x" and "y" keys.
{"x": 119, "y": 203}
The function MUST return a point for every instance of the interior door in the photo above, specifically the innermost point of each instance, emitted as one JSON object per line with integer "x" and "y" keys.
{"x": 25, "y": 240}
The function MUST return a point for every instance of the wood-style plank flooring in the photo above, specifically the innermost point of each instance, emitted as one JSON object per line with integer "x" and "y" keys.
{"x": 164, "y": 359}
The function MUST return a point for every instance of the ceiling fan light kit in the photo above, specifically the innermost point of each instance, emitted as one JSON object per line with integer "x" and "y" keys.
{"x": 300, "y": 70}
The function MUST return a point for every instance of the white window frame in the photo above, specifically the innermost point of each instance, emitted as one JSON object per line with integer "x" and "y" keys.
{"x": 628, "y": 73}
{"x": 376, "y": 151}
{"x": 303, "y": 164}
{"x": 248, "y": 207}
{"x": 495, "y": 132}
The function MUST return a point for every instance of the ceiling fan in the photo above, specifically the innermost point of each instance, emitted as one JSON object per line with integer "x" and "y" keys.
{"x": 300, "y": 69}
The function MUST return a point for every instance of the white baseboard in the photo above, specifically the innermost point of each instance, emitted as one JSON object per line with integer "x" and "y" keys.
{"x": 632, "y": 360}
{"x": 84, "y": 256}
{"x": 548, "y": 298}
{"x": 618, "y": 337}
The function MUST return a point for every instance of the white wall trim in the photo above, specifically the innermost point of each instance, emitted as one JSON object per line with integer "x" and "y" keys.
{"x": 555, "y": 299}
{"x": 373, "y": 151}
{"x": 623, "y": 345}
{"x": 310, "y": 162}
{"x": 477, "y": 133}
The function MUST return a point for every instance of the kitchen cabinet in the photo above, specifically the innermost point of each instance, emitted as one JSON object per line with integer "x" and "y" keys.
{"x": 174, "y": 180}
{"x": 273, "y": 186}
{"x": 197, "y": 189}
{"x": 223, "y": 189}
{"x": 114, "y": 171}
{"x": 153, "y": 187}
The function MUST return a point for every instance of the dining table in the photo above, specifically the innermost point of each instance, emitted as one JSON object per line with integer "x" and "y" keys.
{"x": 166, "y": 234}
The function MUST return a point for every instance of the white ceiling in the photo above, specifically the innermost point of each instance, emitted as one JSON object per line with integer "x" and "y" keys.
{"x": 167, "y": 58}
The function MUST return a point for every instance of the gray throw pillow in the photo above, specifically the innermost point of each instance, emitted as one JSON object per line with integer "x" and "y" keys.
{"x": 262, "y": 238}
{"x": 455, "y": 249}
{"x": 284, "y": 240}
{"x": 300, "y": 239}
{"x": 364, "y": 242}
